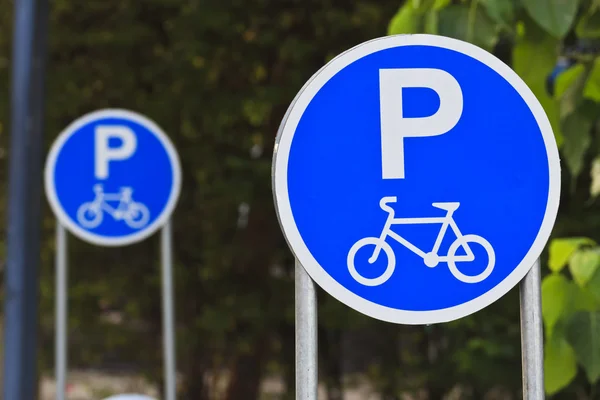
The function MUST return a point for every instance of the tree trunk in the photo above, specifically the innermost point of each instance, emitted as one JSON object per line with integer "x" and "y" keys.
{"x": 194, "y": 388}
{"x": 390, "y": 362}
{"x": 247, "y": 372}
{"x": 331, "y": 351}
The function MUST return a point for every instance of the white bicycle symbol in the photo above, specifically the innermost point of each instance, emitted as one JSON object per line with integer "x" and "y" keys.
{"x": 91, "y": 213}
{"x": 431, "y": 259}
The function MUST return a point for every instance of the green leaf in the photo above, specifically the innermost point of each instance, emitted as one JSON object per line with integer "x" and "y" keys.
{"x": 562, "y": 249}
{"x": 583, "y": 333}
{"x": 424, "y": 5}
{"x": 583, "y": 265}
{"x": 582, "y": 299}
{"x": 534, "y": 56}
{"x": 439, "y": 4}
{"x": 567, "y": 78}
{"x": 431, "y": 22}
{"x": 503, "y": 11}
{"x": 431, "y": 18}
{"x": 555, "y": 16}
{"x": 589, "y": 26}
{"x": 555, "y": 299}
{"x": 406, "y": 20}
{"x": 457, "y": 22}
{"x": 572, "y": 93}
{"x": 560, "y": 366}
{"x": 576, "y": 129}
{"x": 595, "y": 175}
{"x": 593, "y": 287}
{"x": 592, "y": 85}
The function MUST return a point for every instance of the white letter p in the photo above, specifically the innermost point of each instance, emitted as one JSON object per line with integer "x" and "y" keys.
{"x": 395, "y": 127}
{"x": 104, "y": 154}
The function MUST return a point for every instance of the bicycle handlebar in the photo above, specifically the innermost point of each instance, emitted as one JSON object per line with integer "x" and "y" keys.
{"x": 383, "y": 203}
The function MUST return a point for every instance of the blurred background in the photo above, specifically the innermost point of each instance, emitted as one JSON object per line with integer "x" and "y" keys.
{"x": 218, "y": 76}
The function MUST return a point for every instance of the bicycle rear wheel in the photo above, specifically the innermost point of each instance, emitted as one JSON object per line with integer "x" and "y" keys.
{"x": 89, "y": 215}
{"x": 387, "y": 250}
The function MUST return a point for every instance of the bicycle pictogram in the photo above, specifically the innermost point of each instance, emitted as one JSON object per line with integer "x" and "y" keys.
{"x": 432, "y": 258}
{"x": 90, "y": 214}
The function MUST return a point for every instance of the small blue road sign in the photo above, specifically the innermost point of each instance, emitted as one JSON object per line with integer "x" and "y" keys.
{"x": 416, "y": 178}
{"x": 112, "y": 177}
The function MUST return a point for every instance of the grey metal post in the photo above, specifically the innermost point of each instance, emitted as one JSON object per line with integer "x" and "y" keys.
{"x": 306, "y": 336}
{"x": 532, "y": 340}
{"x": 168, "y": 312}
{"x": 60, "y": 358}
{"x": 24, "y": 197}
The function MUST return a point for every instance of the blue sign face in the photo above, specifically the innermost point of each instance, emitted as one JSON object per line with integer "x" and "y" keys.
{"x": 416, "y": 178}
{"x": 112, "y": 177}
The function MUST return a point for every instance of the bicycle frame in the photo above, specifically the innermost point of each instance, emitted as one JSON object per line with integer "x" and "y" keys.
{"x": 103, "y": 199}
{"x": 446, "y": 221}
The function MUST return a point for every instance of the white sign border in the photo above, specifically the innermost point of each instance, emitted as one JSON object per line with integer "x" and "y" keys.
{"x": 50, "y": 188}
{"x": 283, "y": 143}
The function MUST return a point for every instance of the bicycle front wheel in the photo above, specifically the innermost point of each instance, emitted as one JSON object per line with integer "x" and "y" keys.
{"x": 387, "y": 252}
{"x": 466, "y": 240}
{"x": 137, "y": 216}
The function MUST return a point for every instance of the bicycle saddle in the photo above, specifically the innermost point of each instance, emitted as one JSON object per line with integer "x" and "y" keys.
{"x": 447, "y": 206}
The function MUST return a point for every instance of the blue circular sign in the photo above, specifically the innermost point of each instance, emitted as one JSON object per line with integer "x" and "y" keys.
{"x": 112, "y": 177}
{"x": 416, "y": 178}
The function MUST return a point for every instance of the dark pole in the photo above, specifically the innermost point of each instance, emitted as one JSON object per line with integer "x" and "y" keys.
{"x": 24, "y": 199}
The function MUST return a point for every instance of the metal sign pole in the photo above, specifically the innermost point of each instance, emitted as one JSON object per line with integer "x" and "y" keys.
{"x": 60, "y": 349}
{"x": 306, "y": 336}
{"x": 532, "y": 340}
{"x": 23, "y": 211}
{"x": 168, "y": 312}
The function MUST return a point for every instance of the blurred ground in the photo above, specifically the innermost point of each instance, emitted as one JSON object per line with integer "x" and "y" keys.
{"x": 95, "y": 385}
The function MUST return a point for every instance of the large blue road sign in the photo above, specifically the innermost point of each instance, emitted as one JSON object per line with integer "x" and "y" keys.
{"x": 112, "y": 177}
{"x": 416, "y": 178}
